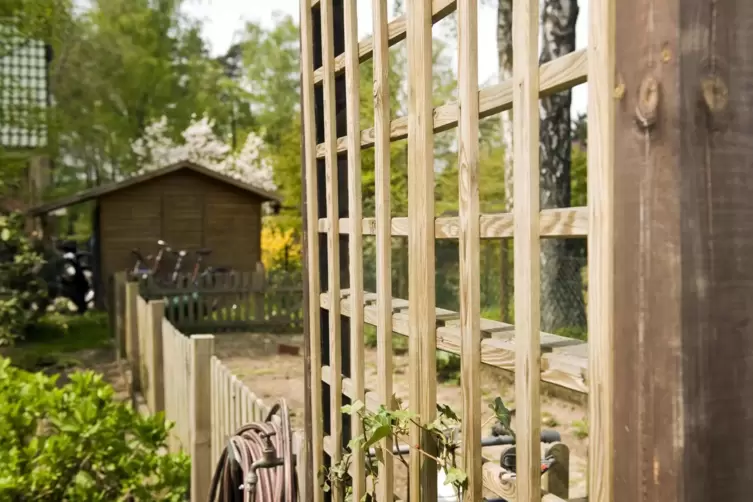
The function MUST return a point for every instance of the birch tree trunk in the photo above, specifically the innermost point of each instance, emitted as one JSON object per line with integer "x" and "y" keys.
{"x": 561, "y": 284}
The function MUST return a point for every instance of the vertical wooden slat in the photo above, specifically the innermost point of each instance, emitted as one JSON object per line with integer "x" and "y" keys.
{"x": 202, "y": 348}
{"x": 601, "y": 121}
{"x": 333, "y": 235}
{"x": 355, "y": 241}
{"x": 421, "y": 286}
{"x": 215, "y": 442}
{"x": 469, "y": 242}
{"x": 312, "y": 241}
{"x": 526, "y": 247}
{"x": 157, "y": 355}
{"x": 383, "y": 230}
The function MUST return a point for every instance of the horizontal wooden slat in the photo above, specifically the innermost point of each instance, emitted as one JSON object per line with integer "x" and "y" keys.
{"x": 395, "y": 33}
{"x": 565, "y": 369}
{"x": 566, "y": 222}
{"x": 555, "y": 76}
{"x": 502, "y": 483}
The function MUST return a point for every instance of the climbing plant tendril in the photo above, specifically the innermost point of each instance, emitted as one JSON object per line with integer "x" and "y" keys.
{"x": 385, "y": 423}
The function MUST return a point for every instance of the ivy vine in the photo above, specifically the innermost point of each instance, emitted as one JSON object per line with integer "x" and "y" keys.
{"x": 394, "y": 423}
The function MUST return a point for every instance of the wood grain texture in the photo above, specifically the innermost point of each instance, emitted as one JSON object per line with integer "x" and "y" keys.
{"x": 333, "y": 240}
{"x": 563, "y": 72}
{"x": 564, "y": 362}
{"x": 382, "y": 230}
{"x": 355, "y": 241}
{"x": 316, "y": 432}
{"x": 563, "y": 222}
{"x": 395, "y": 33}
{"x": 601, "y": 85}
{"x": 469, "y": 244}
{"x": 421, "y": 258}
{"x": 526, "y": 247}
{"x": 202, "y": 349}
{"x": 683, "y": 297}
{"x": 157, "y": 370}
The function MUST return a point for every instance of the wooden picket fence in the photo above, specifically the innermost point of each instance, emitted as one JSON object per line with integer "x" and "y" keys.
{"x": 231, "y": 302}
{"x": 171, "y": 372}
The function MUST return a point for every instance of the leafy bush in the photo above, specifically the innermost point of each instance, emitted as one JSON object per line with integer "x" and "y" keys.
{"x": 22, "y": 290}
{"x": 76, "y": 443}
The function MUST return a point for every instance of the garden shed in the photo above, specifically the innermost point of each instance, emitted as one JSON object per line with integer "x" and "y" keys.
{"x": 185, "y": 204}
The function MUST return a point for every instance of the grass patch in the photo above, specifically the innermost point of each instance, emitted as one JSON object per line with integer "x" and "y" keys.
{"x": 580, "y": 429}
{"x": 51, "y": 341}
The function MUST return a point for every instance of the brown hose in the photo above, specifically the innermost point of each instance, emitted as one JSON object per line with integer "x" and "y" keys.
{"x": 275, "y": 484}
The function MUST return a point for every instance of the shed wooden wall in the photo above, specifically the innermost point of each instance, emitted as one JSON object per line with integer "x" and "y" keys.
{"x": 187, "y": 210}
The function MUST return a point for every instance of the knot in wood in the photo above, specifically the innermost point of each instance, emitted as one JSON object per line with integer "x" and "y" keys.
{"x": 715, "y": 93}
{"x": 648, "y": 102}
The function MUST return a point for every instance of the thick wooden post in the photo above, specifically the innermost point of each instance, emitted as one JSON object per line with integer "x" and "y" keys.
{"x": 200, "y": 411}
{"x": 132, "y": 333}
{"x": 156, "y": 365}
{"x": 683, "y": 280}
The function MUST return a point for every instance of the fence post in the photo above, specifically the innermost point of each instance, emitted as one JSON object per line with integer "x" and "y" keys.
{"x": 258, "y": 286}
{"x": 200, "y": 411}
{"x": 118, "y": 313}
{"x": 157, "y": 397}
{"x": 132, "y": 333}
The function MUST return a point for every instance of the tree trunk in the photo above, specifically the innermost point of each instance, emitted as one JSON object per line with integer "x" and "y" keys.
{"x": 561, "y": 285}
{"x": 504, "y": 50}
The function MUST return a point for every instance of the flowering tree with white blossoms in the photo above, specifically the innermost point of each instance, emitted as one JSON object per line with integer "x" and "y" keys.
{"x": 202, "y": 146}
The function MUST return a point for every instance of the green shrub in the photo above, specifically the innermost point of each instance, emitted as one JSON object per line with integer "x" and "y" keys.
{"x": 76, "y": 443}
{"x": 577, "y": 332}
{"x": 22, "y": 290}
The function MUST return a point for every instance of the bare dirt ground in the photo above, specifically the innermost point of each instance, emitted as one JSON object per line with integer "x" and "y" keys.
{"x": 254, "y": 359}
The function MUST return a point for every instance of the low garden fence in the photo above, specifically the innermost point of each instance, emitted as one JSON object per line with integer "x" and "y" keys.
{"x": 179, "y": 374}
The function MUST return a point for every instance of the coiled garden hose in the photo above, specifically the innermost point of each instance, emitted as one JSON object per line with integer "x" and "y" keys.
{"x": 257, "y": 465}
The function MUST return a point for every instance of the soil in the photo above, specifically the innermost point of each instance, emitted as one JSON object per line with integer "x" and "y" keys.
{"x": 256, "y": 360}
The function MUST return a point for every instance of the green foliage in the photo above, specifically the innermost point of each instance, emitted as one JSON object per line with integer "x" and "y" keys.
{"x": 394, "y": 423}
{"x": 580, "y": 428}
{"x": 22, "y": 290}
{"x": 399, "y": 342}
{"x": 51, "y": 340}
{"x": 76, "y": 442}
{"x": 448, "y": 367}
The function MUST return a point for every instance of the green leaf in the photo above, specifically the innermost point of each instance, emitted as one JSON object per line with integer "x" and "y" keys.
{"x": 456, "y": 477}
{"x": 379, "y": 433}
{"x": 445, "y": 410}
{"x": 5, "y": 234}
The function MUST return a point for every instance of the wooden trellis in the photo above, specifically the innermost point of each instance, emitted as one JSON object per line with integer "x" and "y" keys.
{"x": 337, "y": 304}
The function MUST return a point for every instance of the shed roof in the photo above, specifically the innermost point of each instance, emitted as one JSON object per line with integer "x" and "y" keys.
{"x": 96, "y": 192}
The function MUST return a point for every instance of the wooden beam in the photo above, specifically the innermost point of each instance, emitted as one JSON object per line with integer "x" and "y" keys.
{"x": 564, "y": 361}
{"x": 683, "y": 284}
{"x": 382, "y": 230}
{"x": 601, "y": 66}
{"x": 395, "y": 33}
{"x": 422, "y": 481}
{"x": 564, "y": 222}
{"x": 526, "y": 247}
{"x": 554, "y": 76}
{"x": 355, "y": 240}
{"x": 469, "y": 241}
{"x": 312, "y": 314}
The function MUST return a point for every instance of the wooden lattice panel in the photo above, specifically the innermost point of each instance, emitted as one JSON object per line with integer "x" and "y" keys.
{"x": 337, "y": 304}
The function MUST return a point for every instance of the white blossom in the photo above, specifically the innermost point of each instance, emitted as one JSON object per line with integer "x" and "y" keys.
{"x": 202, "y": 146}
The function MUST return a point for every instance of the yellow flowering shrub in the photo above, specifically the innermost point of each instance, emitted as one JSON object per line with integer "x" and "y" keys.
{"x": 274, "y": 241}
